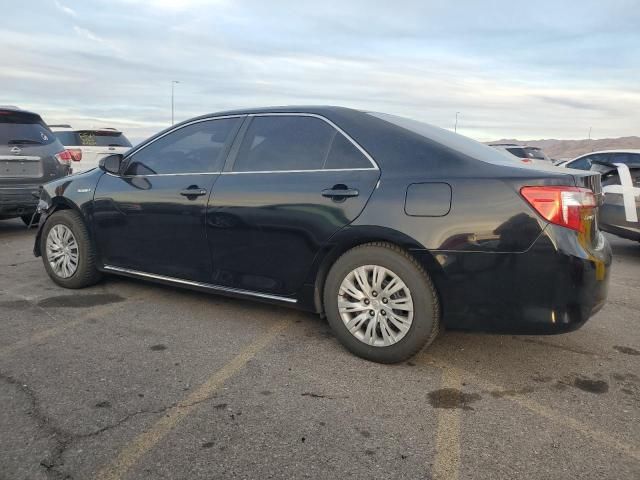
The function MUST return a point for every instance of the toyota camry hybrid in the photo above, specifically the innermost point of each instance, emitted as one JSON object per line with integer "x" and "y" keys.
{"x": 389, "y": 227}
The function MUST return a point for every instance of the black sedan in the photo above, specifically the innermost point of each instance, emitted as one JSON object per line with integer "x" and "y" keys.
{"x": 390, "y": 227}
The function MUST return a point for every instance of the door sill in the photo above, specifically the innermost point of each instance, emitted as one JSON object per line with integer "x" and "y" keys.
{"x": 208, "y": 286}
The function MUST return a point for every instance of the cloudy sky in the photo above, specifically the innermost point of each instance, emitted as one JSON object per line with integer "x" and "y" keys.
{"x": 543, "y": 69}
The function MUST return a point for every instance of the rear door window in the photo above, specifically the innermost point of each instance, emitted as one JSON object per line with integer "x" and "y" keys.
{"x": 281, "y": 143}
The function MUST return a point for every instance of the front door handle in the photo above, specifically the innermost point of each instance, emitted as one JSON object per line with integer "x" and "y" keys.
{"x": 193, "y": 191}
{"x": 338, "y": 193}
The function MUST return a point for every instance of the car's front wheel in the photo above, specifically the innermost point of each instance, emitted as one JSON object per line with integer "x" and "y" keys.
{"x": 67, "y": 251}
{"x": 381, "y": 303}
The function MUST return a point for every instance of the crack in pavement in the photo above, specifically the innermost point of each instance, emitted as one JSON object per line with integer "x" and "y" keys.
{"x": 52, "y": 462}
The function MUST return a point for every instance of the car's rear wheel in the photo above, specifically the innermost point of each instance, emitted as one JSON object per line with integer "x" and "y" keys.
{"x": 381, "y": 303}
{"x": 67, "y": 251}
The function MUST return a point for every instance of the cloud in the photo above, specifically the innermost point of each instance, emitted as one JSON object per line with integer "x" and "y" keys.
{"x": 63, "y": 8}
{"x": 549, "y": 69}
{"x": 87, "y": 34}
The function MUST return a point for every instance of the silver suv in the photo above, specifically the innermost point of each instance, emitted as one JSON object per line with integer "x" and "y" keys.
{"x": 30, "y": 155}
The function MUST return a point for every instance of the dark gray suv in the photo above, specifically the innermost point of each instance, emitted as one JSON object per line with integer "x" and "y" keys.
{"x": 30, "y": 155}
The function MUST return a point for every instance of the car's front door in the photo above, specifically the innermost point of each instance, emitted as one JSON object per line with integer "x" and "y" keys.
{"x": 289, "y": 185}
{"x": 151, "y": 218}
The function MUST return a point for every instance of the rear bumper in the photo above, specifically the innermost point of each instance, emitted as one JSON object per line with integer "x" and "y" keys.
{"x": 554, "y": 287}
{"x": 18, "y": 200}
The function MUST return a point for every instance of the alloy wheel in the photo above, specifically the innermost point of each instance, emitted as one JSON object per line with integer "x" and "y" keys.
{"x": 375, "y": 305}
{"x": 62, "y": 251}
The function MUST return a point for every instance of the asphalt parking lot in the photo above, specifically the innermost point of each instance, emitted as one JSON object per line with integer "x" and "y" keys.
{"x": 132, "y": 380}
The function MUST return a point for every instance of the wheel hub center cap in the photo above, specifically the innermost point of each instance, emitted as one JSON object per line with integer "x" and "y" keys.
{"x": 375, "y": 303}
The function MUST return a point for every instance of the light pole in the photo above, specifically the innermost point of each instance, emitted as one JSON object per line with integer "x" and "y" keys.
{"x": 173, "y": 84}
{"x": 455, "y": 127}
{"x": 590, "y": 132}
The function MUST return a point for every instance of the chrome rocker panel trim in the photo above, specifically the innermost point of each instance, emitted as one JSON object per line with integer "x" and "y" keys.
{"x": 209, "y": 286}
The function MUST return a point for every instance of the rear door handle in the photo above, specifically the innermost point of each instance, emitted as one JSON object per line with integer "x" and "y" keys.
{"x": 340, "y": 192}
{"x": 193, "y": 192}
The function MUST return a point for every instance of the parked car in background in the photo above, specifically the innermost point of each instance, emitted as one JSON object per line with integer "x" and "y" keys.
{"x": 30, "y": 155}
{"x": 390, "y": 227}
{"x": 584, "y": 162}
{"x": 620, "y": 176}
{"x": 525, "y": 153}
{"x": 87, "y": 147}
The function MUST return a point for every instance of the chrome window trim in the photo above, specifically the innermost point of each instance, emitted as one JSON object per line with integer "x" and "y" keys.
{"x": 209, "y": 286}
{"x": 304, "y": 171}
{"x": 163, "y": 174}
{"x": 374, "y": 165}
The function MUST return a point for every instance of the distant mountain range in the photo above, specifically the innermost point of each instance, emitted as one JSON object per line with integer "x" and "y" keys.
{"x": 567, "y": 149}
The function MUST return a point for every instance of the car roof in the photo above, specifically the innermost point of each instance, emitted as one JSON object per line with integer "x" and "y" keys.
{"x": 13, "y": 108}
{"x": 615, "y": 150}
{"x": 516, "y": 145}
{"x": 68, "y": 128}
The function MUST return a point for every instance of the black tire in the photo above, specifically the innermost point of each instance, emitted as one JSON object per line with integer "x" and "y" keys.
{"x": 27, "y": 219}
{"x": 86, "y": 273}
{"x": 426, "y": 316}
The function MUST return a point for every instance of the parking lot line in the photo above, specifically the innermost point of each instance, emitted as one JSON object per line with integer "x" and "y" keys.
{"x": 446, "y": 465}
{"x": 554, "y": 416}
{"x": 96, "y": 312}
{"x": 150, "y": 438}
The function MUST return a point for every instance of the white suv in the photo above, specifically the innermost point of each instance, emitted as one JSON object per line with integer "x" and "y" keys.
{"x": 87, "y": 147}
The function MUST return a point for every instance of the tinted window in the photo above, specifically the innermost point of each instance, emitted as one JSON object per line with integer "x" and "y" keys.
{"x": 195, "y": 148}
{"x": 518, "y": 152}
{"x": 68, "y": 139}
{"x": 626, "y": 158}
{"x": 344, "y": 154}
{"x": 535, "y": 153}
{"x": 102, "y": 138}
{"x": 18, "y": 128}
{"x": 585, "y": 163}
{"x": 275, "y": 143}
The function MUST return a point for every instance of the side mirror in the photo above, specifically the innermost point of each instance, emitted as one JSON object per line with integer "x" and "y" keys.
{"x": 111, "y": 163}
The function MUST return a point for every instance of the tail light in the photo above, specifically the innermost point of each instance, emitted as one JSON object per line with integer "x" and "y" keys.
{"x": 570, "y": 207}
{"x": 64, "y": 157}
{"x": 76, "y": 154}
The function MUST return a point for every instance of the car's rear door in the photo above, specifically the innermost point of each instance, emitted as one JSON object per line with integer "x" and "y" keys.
{"x": 292, "y": 181}
{"x": 151, "y": 219}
